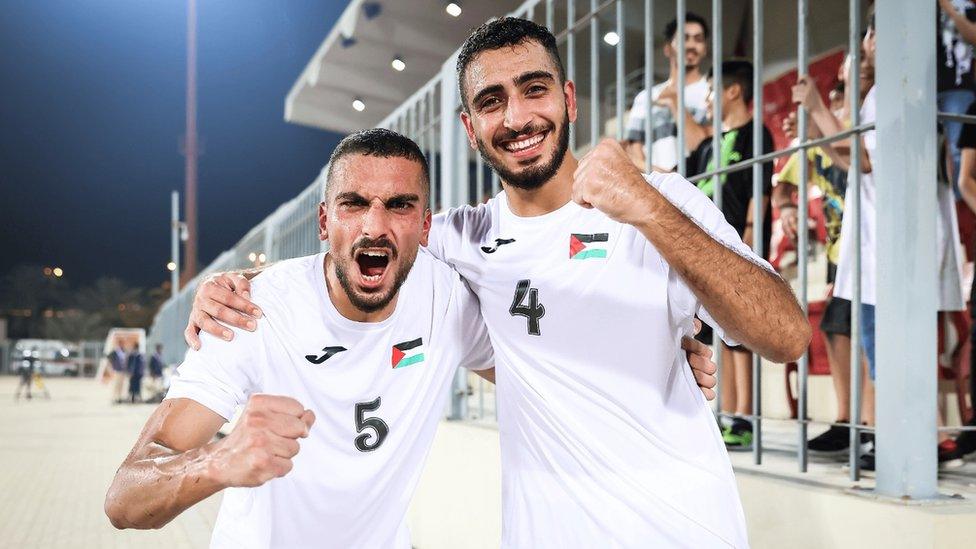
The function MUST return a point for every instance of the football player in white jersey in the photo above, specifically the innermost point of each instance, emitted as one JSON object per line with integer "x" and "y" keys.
{"x": 588, "y": 275}
{"x": 343, "y": 383}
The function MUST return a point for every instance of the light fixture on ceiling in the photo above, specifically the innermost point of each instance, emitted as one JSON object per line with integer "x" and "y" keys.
{"x": 611, "y": 38}
{"x": 398, "y": 64}
{"x": 358, "y": 104}
{"x": 453, "y": 9}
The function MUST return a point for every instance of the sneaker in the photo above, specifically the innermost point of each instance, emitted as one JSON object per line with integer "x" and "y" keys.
{"x": 867, "y": 461}
{"x": 835, "y": 440}
{"x": 738, "y": 435}
{"x": 949, "y": 454}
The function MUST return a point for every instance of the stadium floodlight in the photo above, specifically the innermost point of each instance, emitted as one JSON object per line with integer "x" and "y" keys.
{"x": 453, "y": 9}
{"x": 58, "y": 272}
{"x": 171, "y": 266}
{"x": 358, "y": 104}
{"x": 611, "y": 38}
{"x": 252, "y": 257}
{"x": 398, "y": 64}
{"x": 262, "y": 259}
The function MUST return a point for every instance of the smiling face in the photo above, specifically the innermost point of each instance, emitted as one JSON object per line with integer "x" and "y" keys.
{"x": 518, "y": 112}
{"x": 696, "y": 45}
{"x": 374, "y": 217}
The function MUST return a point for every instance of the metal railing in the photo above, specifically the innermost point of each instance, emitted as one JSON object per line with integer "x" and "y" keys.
{"x": 430, "y": 117}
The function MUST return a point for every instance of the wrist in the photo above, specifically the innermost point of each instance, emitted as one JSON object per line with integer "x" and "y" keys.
{"x": 214, "y": 469}
{"x": 647, "y": 201}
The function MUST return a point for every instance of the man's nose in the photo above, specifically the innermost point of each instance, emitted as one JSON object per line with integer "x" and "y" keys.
{"x": 517, "y": 115}
{"x": 375, "y": 223}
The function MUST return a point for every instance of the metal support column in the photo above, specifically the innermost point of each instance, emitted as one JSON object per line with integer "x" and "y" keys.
{"x": 648, "y": 82}
{"x": 717, "y": 162}
{"x": 853, "y": 212}
{"x": 621, "y": 85}
{"x": 174, "y": 251}
{"x": 905, "y": 328}
{"x": 757, "y": 218}
{"x": 571, "y": 59}
{"x": 594, "y": 74}
{"x": 679, "y": 51}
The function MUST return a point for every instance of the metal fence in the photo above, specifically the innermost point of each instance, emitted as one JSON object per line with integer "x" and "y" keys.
{"x": 430, "y": 117}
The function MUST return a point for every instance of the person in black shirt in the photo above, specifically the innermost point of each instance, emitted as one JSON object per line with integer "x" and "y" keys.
{"x": 737, "y": 205}
{"x": 956, "y": 34}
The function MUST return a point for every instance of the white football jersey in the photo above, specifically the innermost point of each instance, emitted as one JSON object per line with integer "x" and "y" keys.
{"x": 606, "y": 439}
{"x": 377, "y": 389}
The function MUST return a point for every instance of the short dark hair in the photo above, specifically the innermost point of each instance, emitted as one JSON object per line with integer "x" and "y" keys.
{"x": 379, "y": 142}
{"x": 737, "y": 71}
{"x": 507, "y": 31}
{"x": 690, "y": 17}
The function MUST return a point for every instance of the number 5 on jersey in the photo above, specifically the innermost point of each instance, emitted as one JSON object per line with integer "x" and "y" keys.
{"x": 379, "y": 427}
{"x": 532, "y": 311}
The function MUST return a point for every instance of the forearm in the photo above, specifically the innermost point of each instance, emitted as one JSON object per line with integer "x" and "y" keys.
{"x": 966, "y": 28}
{"x": 151, "y": 490}
{"x": 752, "y": 304}
{"x": 695, "y": 133}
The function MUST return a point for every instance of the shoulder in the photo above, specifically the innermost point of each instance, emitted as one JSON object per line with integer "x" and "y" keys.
{"x": 459, "y": 225}
{"x": 284, "y": 278}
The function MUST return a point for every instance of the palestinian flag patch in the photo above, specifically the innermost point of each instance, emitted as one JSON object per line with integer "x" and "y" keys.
{"x": 407, "y": 353}
{"x": 588, "y": 246}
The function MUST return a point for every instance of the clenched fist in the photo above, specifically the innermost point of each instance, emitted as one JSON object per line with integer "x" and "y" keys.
{"x": 607, "y": 180}
{"x": 263, "y": 442}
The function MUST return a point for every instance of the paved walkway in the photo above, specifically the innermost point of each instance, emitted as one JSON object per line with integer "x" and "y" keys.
{"x": 57, "y": 458}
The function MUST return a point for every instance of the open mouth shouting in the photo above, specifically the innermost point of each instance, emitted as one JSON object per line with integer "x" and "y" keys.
{"x": 373, "y": 265}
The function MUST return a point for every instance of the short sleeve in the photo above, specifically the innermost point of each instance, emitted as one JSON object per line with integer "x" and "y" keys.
{"x": 476, "y": 352}
{"x": 638, "y": 114}
{"x": 683, "y": 303}
{"x": 222, "y": 374}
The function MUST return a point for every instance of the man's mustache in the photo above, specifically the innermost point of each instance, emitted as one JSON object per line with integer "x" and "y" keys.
{"x": 375, "y": 243}
{"x": 509, "y": 135}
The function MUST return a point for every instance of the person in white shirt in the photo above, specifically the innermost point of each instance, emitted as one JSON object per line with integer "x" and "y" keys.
{"x": 343, "y": 384}
{"x": 588, "y": 275}
{"x": 663, "y": 99}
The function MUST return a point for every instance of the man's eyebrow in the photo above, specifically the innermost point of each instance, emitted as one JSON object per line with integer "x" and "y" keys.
{"x": 494, "y": 88}
{"x": 349, "y": 195}
{"x": 533, "y": 75}
{"x": 405, "y": 197}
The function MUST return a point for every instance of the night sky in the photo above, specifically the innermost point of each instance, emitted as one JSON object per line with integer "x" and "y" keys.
{"x": 92, "y": 99}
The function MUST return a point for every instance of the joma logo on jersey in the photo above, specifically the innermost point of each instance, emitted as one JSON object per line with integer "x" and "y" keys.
{"x": 407, "y": 353}
{"x": 327, "y": 353}
{"x": 588, "y": 246}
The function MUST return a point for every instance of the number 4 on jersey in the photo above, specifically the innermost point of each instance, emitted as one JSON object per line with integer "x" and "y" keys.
{"x": 533, "y": 310}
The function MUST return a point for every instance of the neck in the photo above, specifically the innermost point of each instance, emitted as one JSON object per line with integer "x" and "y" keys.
{"x": 737, "y": 115}
{"x": 342, "y": 303}
{"x": 692, "y": 74}
{"x": 551, "y": 196}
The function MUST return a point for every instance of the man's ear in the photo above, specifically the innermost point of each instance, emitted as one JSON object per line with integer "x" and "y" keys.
{"x": 569, "y": 90}
{"x": 469, "y": 129}
{"x": 323, "y": 222}
{"x": 426, "y": 230}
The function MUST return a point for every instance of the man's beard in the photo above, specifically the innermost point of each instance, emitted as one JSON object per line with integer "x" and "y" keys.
{"x": 530, "y": 178}
{"x": 374, "y": 302}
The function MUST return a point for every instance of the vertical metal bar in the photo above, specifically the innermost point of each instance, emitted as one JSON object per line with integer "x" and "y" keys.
{"x": 905, "y": 339}
{"x": 570, "y": 60}
{"x": 621, "y": 33}
{"x": 594, "y": 74}
{"x": 174, "y": 250}
{"x": 717, "y": 159}
{"x": 853, "y": 212}
{"x": 801, "y": 115}
{"x": 449, "y": 102}
{"x": 648, "y": 81}
{"x": 679, "y": 39}
{"x": 481, "y": 397}
{"x": 550, "y": 16}
{"x": 757, "y": 218}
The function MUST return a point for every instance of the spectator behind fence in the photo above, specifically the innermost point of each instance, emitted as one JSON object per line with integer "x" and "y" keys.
{"x": 737, "y": 205}
{"x": 835, "y": 325}
{"x": 966, "y": 443}
{"x": 136, "y": 368}
{"x": 950, "y": 297}
{"x": 663, "y": 111}
{"x": 956, "y": 86}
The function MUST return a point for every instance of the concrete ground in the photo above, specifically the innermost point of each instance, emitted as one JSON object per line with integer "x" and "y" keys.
{"x": 57, "y": 458}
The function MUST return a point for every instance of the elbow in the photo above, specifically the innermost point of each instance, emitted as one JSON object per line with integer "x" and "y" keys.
{"x": 115, "y": 513}
{"x": 119, "y": 512}
{"x": 795, "y": 344}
